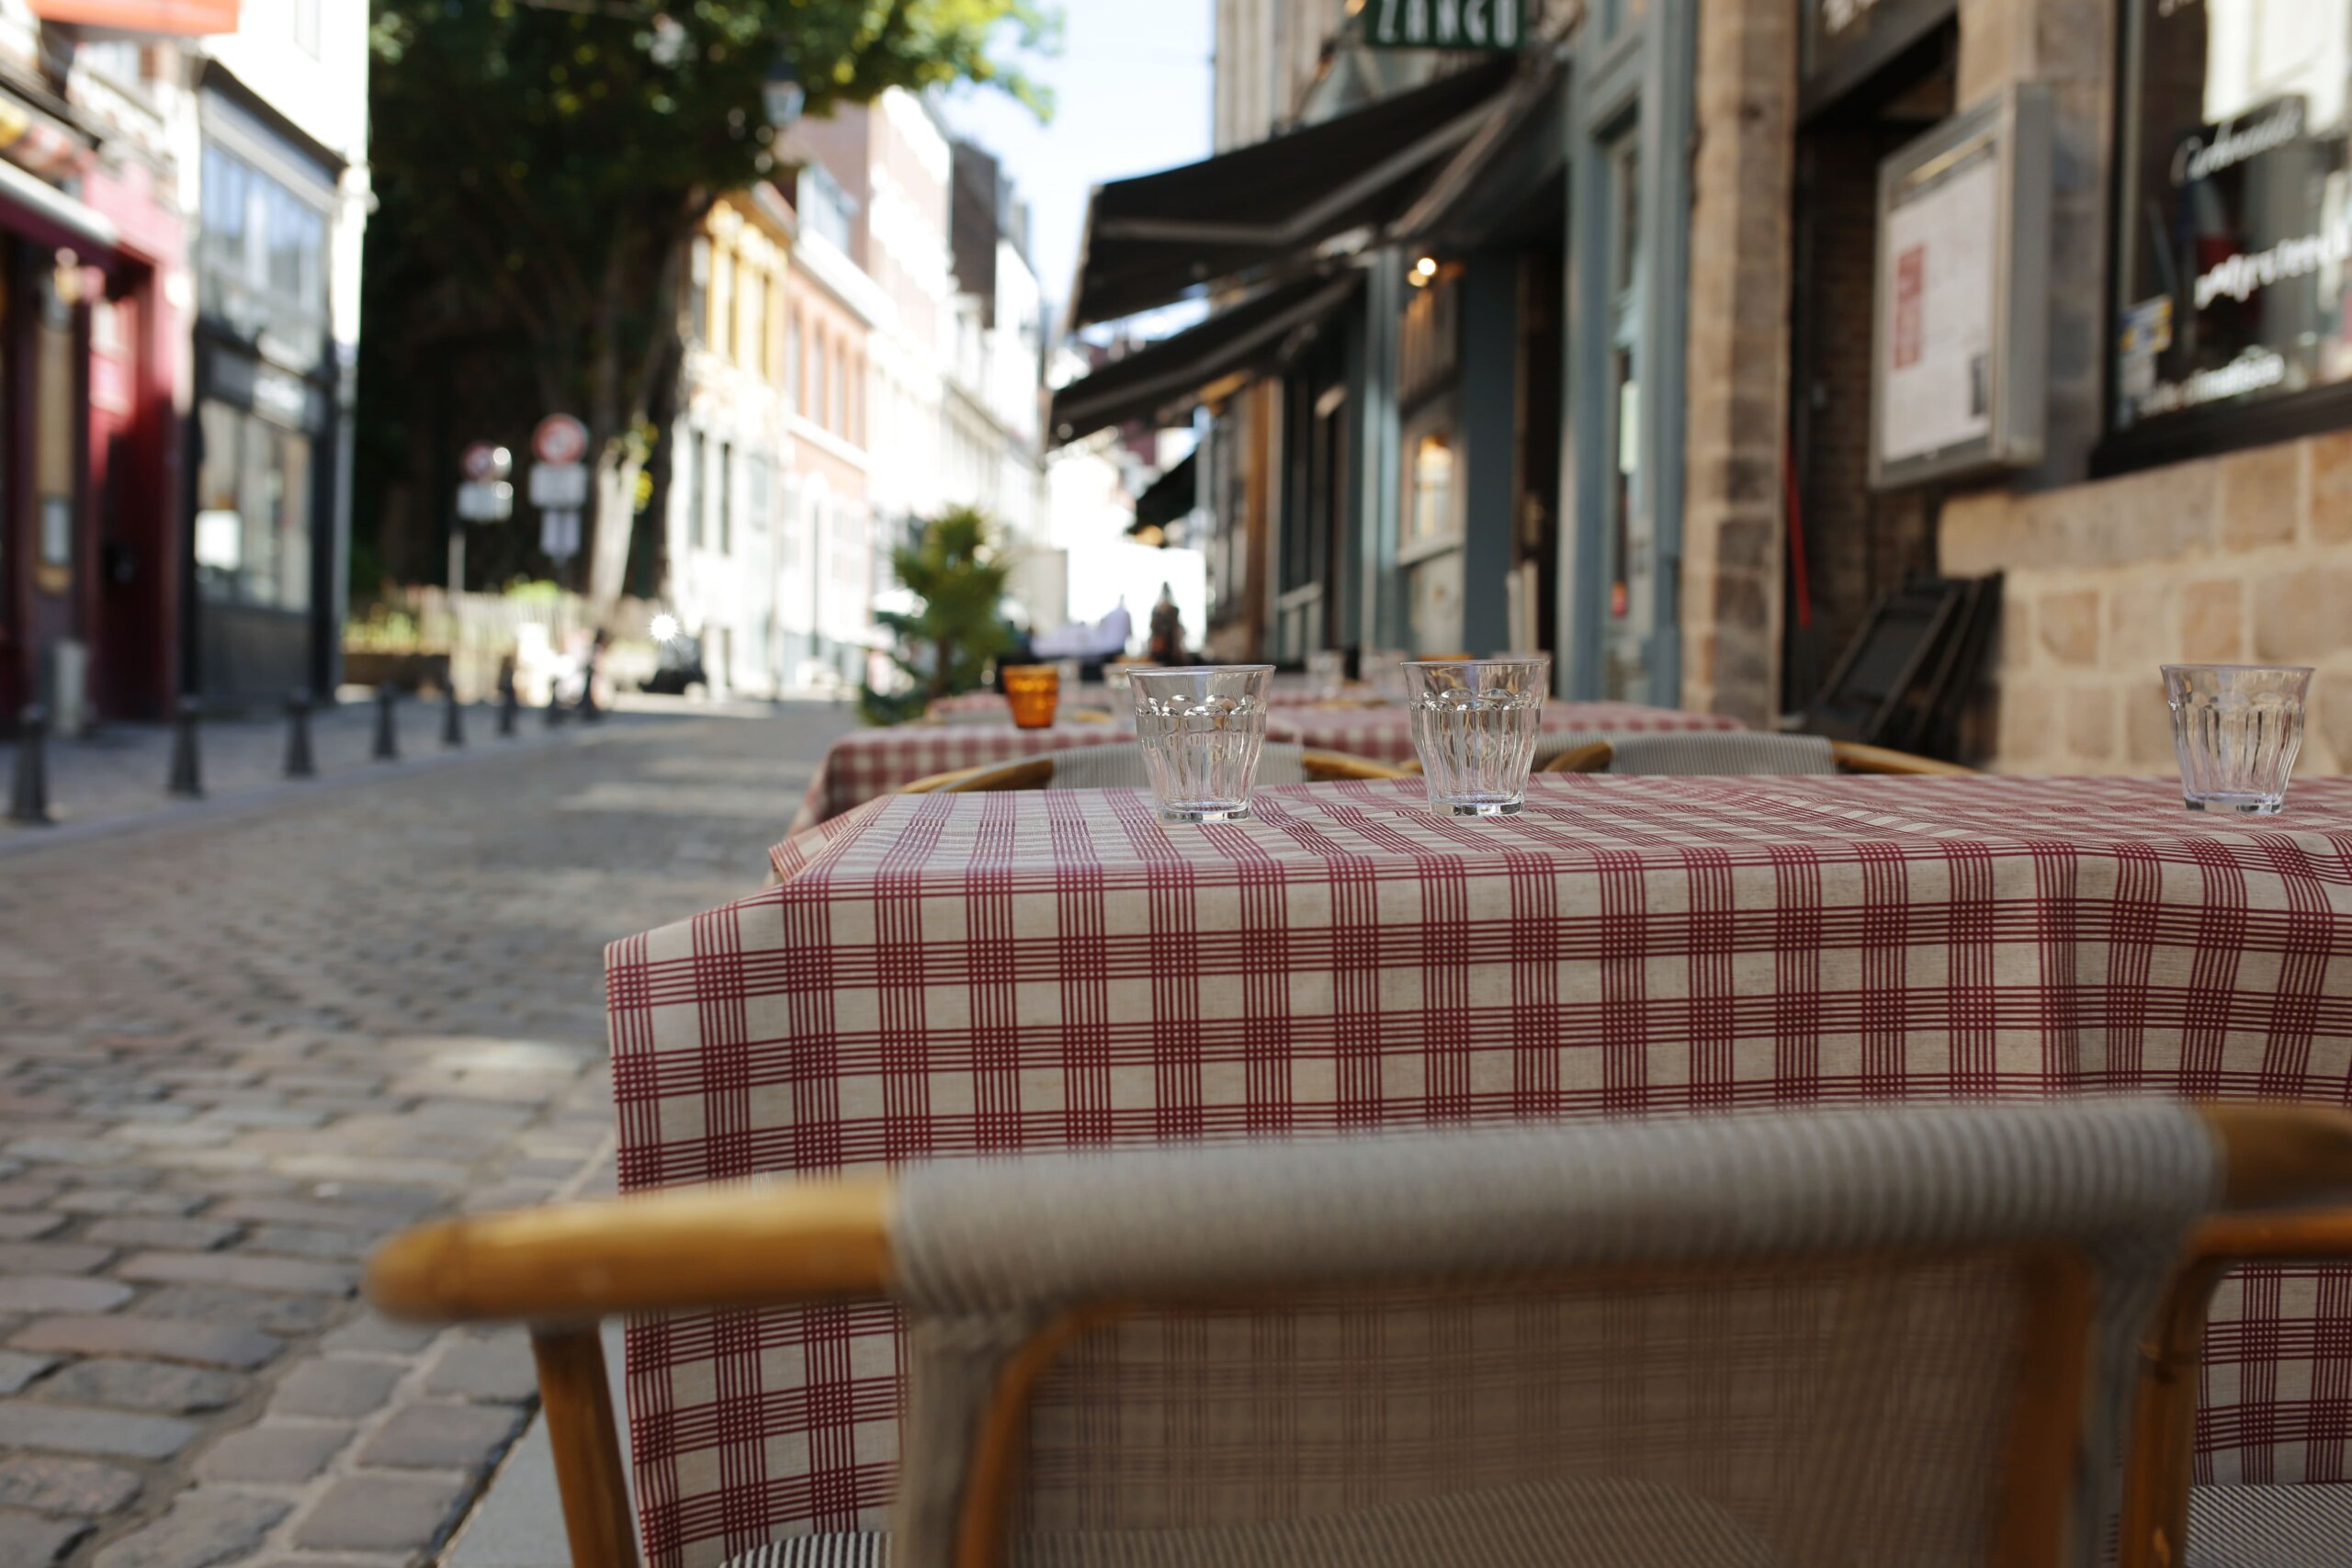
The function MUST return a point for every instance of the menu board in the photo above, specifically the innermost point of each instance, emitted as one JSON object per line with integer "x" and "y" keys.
{"x": 1961, "y": 294}
{"x": 1938, "y": 289}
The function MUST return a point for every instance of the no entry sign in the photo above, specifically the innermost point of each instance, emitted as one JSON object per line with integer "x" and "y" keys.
{"x": 560, "y": 441}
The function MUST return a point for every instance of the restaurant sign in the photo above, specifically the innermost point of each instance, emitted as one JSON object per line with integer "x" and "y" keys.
{"x": 1445, "y": 24}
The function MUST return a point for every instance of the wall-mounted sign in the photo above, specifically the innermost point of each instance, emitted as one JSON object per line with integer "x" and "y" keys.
{"x": 1445, "y": 24}
{"x": 1958, "y": 355}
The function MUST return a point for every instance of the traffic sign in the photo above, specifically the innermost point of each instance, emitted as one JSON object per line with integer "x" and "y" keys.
{"x": 559, "y": 536}
{"x": 554, "y": 486}
{"x": 486, "y": 462}
{"x": 485, "y": 500}
{"x": 559, "y": 440}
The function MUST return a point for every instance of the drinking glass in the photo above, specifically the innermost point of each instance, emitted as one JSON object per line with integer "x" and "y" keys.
{"x": 1072, "y": 672}
{"x": 1474, "y": 724}
{"x": 1202, "y": 730}
{"x": 1327, "y": 673}
{"x": 1384, "y": 669}
{"x": 1035, "y": 691}
{"x": 2236, "y": 729}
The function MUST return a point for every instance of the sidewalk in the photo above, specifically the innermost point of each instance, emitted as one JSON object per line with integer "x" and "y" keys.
{"x": 119, "y": 773}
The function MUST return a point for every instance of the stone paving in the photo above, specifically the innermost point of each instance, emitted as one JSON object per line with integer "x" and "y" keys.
{"x": 237, "y": 1049}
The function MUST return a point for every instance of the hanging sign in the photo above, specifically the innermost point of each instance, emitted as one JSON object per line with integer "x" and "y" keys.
{"x": 1445, "y": 24}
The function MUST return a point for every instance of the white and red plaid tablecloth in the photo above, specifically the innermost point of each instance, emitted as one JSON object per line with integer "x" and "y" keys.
{"x": 944, "y": 975}
{"x": 865, "y": 763}
{"x": 1386, "y": 734}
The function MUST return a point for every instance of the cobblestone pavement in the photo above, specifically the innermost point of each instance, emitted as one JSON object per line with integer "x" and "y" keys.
{"x": 235, "y": 1050}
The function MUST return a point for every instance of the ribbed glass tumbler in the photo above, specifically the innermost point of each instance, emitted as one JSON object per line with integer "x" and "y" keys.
{"x": 1474, "y": 722}
{"x": 2236, "y": 729}
{"x": 1202, "y": 730}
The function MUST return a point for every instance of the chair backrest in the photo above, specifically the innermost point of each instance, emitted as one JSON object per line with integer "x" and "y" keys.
{"x": 1121, "y": 766}
{"x": 1743, "y": 1340}
{"x": 1730, "y": 753}
{"x": 1691, "y": 1329}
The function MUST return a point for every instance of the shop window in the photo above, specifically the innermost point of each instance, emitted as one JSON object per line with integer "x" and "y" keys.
{"x": 253, "y": 519}
{"x": 261, "y": 255}
{"x": 726, "y": 499}
{"x": 2233, "y": 275}
{"x": 1432, "y": 485}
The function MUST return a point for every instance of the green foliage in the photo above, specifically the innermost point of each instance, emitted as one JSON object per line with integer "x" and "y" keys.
{"x": 945, "y": 645}
{"x": 540, "y": 165}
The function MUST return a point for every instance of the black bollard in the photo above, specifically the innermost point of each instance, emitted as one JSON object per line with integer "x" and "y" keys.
{"x": 388, "y": 735}
{"x": 453, "y": 720}
{"x": 298, "y": 764}
{"x": 187, "y": 767}
{"x": 509, "y": 705}
{"x": 28, "y": 801}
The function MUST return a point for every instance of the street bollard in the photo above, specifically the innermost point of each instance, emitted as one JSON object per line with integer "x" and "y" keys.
{"x": 298, "y": 764}
{"x": 453, "y": 720}
{"x": 509, "y": 705}
{"x": 388, "y": 735}
{"x": 556, "y": 710}
{"x": 187, "y": 767}
{"x": 28, "y": 801}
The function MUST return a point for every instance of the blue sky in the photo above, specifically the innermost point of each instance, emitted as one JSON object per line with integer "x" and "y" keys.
{"x": 1131, "y": 86}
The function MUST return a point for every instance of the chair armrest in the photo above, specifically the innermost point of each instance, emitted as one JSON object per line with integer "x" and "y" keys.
{"x": 753, "y": 1244}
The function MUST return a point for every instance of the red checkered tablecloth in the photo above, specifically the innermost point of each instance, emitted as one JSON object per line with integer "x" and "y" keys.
{"x": 865, "y": 763}
{"x": 943, "y": 975}
{"x": 1386, "y": 734}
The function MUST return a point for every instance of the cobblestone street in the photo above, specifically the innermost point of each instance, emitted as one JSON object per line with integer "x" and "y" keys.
{"x": 237, "y": 1049}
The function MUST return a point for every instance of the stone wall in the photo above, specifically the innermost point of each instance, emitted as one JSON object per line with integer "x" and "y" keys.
{"x": 2242, "y": 557}
{"x": 1738, "y": 357}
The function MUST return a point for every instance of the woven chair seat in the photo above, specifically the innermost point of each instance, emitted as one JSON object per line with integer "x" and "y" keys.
{"x": 2270, "y": 1527}
{"x": 1510, "y": 1527}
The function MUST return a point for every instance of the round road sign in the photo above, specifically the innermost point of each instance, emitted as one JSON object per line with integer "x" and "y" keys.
{"x": 486, "y": 462}
{"x": 560, "y": 441}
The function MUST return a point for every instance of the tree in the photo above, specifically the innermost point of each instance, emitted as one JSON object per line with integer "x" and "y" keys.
{"x": 946, "y": 645}
{"x": 545, "y": 163}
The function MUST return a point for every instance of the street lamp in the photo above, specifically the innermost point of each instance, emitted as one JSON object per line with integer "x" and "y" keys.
{"x": 781, "y": 94}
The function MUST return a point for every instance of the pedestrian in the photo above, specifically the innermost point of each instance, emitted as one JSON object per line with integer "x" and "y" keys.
{"x": 1166, "y": 645}
{"x": 589, "y": 669}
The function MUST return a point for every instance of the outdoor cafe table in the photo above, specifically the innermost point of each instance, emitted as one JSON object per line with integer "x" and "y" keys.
{"x": 865, "y": 763}
{"x": 949, "y": 975}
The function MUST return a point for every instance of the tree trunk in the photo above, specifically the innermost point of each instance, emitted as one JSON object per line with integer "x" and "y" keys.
{"x": 612, "y": 498}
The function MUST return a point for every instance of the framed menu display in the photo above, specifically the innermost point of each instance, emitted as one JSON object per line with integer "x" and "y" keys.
{"x": 1961, "y": 299}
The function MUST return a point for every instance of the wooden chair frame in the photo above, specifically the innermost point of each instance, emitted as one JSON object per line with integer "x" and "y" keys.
{"x": 561, "y": 1268}
{"x": 1037, "y": 773}
{"x": 1851, "y": 756}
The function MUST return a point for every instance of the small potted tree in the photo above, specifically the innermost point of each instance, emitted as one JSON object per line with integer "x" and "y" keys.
{"x": 943, "y": 646}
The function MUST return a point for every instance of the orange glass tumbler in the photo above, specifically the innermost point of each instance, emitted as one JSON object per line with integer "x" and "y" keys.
{"x": 1035, "y": 691}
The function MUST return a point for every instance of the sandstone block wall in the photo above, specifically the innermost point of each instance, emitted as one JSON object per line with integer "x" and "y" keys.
{"x": 2244, "y": 557}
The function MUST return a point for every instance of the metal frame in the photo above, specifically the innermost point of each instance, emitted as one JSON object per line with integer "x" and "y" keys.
{"x": 1637, "y": 82}
{"x": 2014, "y": 124}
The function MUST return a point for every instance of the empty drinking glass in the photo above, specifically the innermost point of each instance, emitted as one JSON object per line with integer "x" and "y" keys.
{"x": 2236, "y": 729}
{"x": 1202, "y": 730}
{"x": 1474, "y": 724}
{"x": 1327, "y": 673}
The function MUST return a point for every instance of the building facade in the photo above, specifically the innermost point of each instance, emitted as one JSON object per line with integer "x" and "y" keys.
{"x": 181, "y": 206}
{"x": 734, "y": 452}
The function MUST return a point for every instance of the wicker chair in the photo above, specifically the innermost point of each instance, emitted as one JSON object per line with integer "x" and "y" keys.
{"x": 1733, "y": 753}
{"x": 1119, "y": 765}
{"x": 1890, "y": 1336}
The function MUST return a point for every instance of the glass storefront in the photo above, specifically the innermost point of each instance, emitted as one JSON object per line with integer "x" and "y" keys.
{"x": 252, "y": 518}
{"x": 2236, "y": 224}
